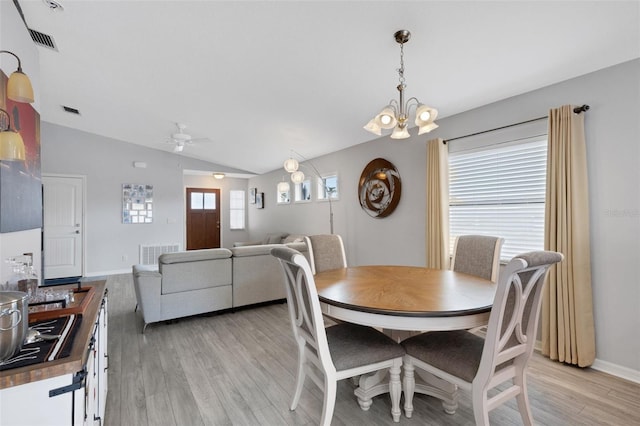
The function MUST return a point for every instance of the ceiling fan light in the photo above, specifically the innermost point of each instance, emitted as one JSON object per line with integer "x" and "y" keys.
{"x": 372, "y": 127}
{"x": 400, "y": 133}
{"x": 291, "y": 165}
{"x": 386, "y": 119}
{"x": 179, "y": 146}
{"x": 11, "y": 146}
{"x": 297, "y": 177}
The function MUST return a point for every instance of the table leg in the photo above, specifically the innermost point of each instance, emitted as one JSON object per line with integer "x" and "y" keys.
{"x": 377, "y": 383}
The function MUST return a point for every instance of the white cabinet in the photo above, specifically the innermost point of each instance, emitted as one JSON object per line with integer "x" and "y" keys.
{"x": 70, "y": 399}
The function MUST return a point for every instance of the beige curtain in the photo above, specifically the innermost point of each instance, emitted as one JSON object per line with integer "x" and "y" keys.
{"x": 567, "y": 308}
{"x": 437, "y": 227}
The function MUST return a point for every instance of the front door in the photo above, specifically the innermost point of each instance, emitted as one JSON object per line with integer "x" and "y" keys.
{"x": 63, "y": 202}
{"x": 203, "y": 218}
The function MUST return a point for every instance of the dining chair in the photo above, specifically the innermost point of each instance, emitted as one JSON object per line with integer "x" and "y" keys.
{"x": 479, "y": 365}
{"x": 477, "y": 255}
{"x": 335, "y": 353}
{"x": 326, "y": 251}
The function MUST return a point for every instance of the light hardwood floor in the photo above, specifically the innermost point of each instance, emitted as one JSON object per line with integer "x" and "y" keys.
{"x": 238, "y": 369}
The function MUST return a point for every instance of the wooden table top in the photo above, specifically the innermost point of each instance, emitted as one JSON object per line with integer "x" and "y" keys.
{"x": 405, "y": 291}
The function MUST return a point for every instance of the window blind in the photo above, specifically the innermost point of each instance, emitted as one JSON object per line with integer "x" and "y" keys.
{"x": 500, "y": 191}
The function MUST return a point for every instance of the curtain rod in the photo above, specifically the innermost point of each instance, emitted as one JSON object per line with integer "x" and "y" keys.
{"x": 576, "y": 110}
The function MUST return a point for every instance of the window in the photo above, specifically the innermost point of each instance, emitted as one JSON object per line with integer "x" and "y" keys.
{"x": 499, "y": 190}
{"x": 203, "y": 201}
{"x": 328, "y": 187}
{"x": 236, "y": 209}
{"x": 302, "y": 191}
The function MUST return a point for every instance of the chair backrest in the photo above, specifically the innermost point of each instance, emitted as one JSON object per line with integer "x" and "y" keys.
{"x": 326, "y": 252}
{"x": 477, "y": 255}
{"x": 513, "y": 322}
{"x": 304, "y": 308}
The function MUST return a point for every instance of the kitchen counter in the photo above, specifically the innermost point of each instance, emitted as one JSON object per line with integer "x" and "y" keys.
{"x": 78, "y": 357}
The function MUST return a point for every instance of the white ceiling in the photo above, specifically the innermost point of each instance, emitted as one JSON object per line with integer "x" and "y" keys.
{"x": 262, "y": 78}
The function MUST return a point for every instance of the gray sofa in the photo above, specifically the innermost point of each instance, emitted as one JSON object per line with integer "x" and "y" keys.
{"x": 200, "y": 281}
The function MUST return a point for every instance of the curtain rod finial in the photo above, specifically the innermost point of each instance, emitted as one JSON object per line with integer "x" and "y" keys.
{"x": 580, "y": 109}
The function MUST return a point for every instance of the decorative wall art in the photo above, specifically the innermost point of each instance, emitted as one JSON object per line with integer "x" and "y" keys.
{"x": 137, "y": 203}
{"x": 260, "y": 200}
{"x": 379, "y": 188}
{"x": 252, "y": 195}
{"x": 21, "y": 181}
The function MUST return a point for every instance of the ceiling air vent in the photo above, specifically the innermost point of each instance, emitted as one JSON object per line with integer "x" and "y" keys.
{"x": 42, "y": 39}
{"x": 71, "y": 110}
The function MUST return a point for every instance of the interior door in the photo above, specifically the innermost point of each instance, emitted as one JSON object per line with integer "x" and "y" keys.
{"x": 203, "y": 218}
{"x": 63, "y": 201}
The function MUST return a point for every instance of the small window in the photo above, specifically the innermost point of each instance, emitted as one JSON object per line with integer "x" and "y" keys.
{"x": 302, "y": 191}
{"x": 236, "y": 209}
{"x": 328, "y": 187}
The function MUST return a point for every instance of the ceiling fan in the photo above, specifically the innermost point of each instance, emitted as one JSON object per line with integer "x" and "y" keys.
{"x": 181, "y": 138}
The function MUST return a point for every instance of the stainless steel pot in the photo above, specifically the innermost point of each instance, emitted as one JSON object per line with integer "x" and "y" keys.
{"x": 14, "y": 322}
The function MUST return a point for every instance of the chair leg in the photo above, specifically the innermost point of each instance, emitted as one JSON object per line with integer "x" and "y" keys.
{"x": 300, "y": 376}
{"x": 330, "y": 390}
{"x": 480, "y": 409}
{"x": 523, "y": 399}
{"x": 395, "y": 389}
{"x": 408, "y": 386}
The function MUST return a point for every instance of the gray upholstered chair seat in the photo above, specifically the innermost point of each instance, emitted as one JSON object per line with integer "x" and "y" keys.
{"x": 454, "y": 352}
{"x": 353, "y": 345}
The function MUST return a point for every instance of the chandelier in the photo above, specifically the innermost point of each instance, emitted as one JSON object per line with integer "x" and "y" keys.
{"x": 396, "y": 115}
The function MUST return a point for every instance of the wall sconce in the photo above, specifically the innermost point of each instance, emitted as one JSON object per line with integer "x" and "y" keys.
{"x": 11, "y": 143}
{"x": 19, "y": 87}
{"x": 218, "y": 175}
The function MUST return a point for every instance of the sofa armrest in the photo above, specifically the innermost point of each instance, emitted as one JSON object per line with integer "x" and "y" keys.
{"x": 147, "y": 283}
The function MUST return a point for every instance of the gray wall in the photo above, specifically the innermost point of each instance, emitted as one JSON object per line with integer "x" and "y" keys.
{"x": 613, "y": 134}
{"x": 112, "y": 246}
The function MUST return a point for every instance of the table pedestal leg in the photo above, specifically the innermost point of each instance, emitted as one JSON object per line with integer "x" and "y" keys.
{"x": 429, "y": 384}
{"x": 377, "y": 384}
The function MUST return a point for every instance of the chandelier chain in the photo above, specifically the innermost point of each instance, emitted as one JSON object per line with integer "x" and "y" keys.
{"x": 401, "y": 69}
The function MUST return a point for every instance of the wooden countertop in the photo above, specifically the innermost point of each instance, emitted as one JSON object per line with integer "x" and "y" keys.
{"x": 67, "y": 365}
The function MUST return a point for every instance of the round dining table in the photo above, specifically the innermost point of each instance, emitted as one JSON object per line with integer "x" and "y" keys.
{"x": 404, "y": 300}
{"x": 405, "y": 297}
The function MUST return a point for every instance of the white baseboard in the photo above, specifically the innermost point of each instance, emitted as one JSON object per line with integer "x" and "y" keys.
{"x": 113, "y": 272}
{"x": 607, "y": 367}
{"x": 617, "y": 370}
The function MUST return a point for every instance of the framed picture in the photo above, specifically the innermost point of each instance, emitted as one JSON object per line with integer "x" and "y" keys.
{"x": 137, "y": 203}
{"x": 260, "y": 200}
{"x": 252, "y": 195}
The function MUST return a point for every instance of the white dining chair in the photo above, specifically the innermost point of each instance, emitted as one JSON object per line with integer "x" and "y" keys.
{"x": 479, "y": 365}
{"x": 339, "y": 352}
{"x": 326, "y": 251}
{"x": 477, "y": 255}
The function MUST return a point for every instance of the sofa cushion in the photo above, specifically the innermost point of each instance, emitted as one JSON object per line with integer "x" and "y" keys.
{"x": 195, "y": 270}
{"x": 293, "y": 238}
{"x": 274, "y": 238}
{"x": 194, "y": 256}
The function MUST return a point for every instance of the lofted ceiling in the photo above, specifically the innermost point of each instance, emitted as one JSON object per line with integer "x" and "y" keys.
{"x": 259, "y": 78}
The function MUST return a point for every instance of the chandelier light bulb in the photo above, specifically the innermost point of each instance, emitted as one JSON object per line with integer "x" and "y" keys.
{"x": 297, "y": 177}
{"x": 291, "y": 165}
